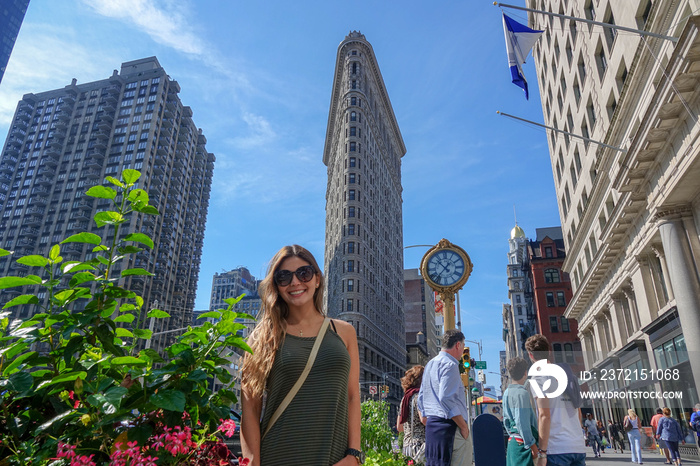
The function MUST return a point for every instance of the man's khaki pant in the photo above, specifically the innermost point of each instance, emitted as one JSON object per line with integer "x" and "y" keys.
{"x": 462, "y": 450}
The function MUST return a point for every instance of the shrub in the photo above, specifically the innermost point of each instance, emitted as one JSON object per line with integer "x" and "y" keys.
{"x": 75, "y": 386}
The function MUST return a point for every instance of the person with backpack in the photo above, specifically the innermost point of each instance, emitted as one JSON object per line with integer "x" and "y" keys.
{"x": 695, "y": 421}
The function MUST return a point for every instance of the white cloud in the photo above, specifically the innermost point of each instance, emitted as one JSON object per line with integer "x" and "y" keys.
{"x": 38, "y": 63}
{"x": 166, "y": 26}
{"x": 260, "y": 132}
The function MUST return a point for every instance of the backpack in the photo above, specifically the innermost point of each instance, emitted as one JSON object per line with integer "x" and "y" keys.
{"x": 572, "y": 388}
{"x": 695, "y": 424}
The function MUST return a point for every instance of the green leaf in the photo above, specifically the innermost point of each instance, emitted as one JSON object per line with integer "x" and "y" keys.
{"x": 102, "y": 192}
{"x": 81, "y": 277}
{"x": 140, "y": 238}
{"x": 17, "y": 361}
{"x": 20, "y": 382}
{"x": 10, "y": 282}
{"x": 143, "y": 334}
{"x": 33, "y": 261}
{"x": 233, "y": 301}
{"x": 122, "y": 332}
{"x": 22, "y": 299}
{"x": 83, "y": 237}
{"x": 48, "y": 424}
{"x": 139, "y": 434}
{"x": 212, "y": 314}
{"x": 114, "y": 181}
{"x": 62, "y": 297}
{"x": 108, "y": 217}
{"x": 130, "y": 176}
{"x": 170, "y": 400}
{"x": 139, "y": 301}
{"x": 68, "y": 377}
{"x": 136, "y": 271}
{"x": 149, "y": 210}
{"x": 127, "y": 318}
{"x": 129, "y": 249}
{"x": 122, "y": 360}
{"x": 4, "y": 252}
{"x": 138, "y": 195}
{"x": 151, "y": 355}
{"x": 157, "y": 314}
{"x": 54, "y": 252}
{"x": 100, "y": 248}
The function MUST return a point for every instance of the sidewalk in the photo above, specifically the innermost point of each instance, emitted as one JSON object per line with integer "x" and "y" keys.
{"x": 610, "y": 458}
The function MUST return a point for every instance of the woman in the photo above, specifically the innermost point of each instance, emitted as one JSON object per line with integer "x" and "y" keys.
{"x": 408, "y": 420}
{"x": 631, "y": 424}
{"x": 605, "y": 440}
{"x": 670, "y": 431}
{"x": 321, "y": 424}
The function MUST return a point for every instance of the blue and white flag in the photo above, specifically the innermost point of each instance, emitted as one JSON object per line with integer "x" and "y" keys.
{"x": 519, "y": 42}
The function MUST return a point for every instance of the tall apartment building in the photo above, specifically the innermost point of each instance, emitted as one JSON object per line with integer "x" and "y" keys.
{"x": 11, "y": 16}
{"x": 520, "y": 324}
{"x": 62, "y": 142}
{"x": 231, "y": 284}
{"x": 630, "y": 210}
{"x": 422, "y": 341}
{"x": 364, "y": 224}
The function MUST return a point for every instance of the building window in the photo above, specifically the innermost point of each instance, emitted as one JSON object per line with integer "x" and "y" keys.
{"x": 520, "y": 310}
{"x": 351, "y": 195}
{"x": 556, "y": 349}
{"x": 353, "y": 131}
{"x": 351, "y": 211}
{"x": 551, "y": 276}
{"x": 353, "y": 146}
{"x": 517, "y": 298}
{"x": 554, "y": 326}
{"x": 353, "y": 160}
{"x": 564, "y": 324}
{"x": 349, "y": 308}
{"x": 351, "y": 229}
{"x": 351, "y": 247}
{"x": 548, "y": 251}
{"x": 351, "y": 285}
{"x": 561, "y": 300}
{"x": 351, "y": 266}
{"x": 550, "y": 299}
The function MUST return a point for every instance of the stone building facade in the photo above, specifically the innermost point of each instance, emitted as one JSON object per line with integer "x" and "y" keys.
{"x": 421, "y": 331}
{"x": 364, "y": 223}
{"x": 630, "y": 210}
{"x": 518, "y": 315}
{"x": 64, "y": 141}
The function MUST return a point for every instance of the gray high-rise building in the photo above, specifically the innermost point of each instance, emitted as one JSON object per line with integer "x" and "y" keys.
{"x": 11, "y": 16}
{"x": 364, "y": 225}
{"x": 64, "y": 141}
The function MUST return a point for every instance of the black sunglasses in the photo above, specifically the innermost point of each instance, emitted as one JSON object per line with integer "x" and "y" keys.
{"x": 304, "y": 274}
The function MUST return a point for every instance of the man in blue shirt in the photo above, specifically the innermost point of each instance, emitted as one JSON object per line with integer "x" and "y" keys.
{"x": 443, "y": 405}
{"x": 695, "y": 421}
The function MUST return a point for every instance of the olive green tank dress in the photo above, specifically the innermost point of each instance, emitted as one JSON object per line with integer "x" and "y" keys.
{"x": 313, "y": 430}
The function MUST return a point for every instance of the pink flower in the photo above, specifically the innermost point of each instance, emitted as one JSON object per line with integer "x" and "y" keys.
{"x": 410, "y": 463}
{"x": 65, "y": 450}
{"x": 228, "y": 427}
{"x": 243, "y": 461}
{"x": 83, "y": 460}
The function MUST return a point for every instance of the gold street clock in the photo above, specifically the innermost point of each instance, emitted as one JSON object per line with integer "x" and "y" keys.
{"x": 446, "y": 268}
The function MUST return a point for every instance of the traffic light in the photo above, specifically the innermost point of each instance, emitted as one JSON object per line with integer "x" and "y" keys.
{"x": 466, "y": 359}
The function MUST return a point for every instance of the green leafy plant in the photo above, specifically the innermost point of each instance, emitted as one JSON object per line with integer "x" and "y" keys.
{"x": 75, "y": 385}
{"x": 377, "y": 437}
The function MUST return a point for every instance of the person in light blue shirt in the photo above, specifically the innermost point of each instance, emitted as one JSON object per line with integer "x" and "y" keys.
{"x": 519, "y": 417}
{"x": 443, "y": 405}
{"x": 670, "y": 431}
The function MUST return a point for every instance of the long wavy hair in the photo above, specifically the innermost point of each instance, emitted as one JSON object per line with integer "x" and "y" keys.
{"x": 268, "y": 334}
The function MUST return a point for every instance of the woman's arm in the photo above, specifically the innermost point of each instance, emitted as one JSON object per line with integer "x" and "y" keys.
{"x": 250, "y": 427}
{"x": 347, "y": 333}
{"x": 399, "y": 425}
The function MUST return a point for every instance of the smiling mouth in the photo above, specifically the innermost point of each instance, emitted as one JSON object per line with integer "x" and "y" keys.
{"x": 296, "y": 292}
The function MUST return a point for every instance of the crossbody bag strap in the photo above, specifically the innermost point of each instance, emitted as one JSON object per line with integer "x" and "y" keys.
{"x": 302, "y": 378}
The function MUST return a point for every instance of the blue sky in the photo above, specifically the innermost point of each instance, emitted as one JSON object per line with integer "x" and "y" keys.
{"x": 258, "y": 77}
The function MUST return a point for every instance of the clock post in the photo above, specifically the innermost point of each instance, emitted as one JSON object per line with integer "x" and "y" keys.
{"x": 446, "y": 268}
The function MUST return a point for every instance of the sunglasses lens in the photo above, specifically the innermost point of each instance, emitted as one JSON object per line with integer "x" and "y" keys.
{"x": 283, "y": 277}
{"x": 305, "y": 273}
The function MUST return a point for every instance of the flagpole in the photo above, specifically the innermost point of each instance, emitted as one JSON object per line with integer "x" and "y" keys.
{"x": 564, "y": 132}
{"x": 588, "y": 21}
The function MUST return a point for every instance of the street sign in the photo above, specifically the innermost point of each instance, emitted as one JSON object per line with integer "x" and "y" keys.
{"x": 479, "y": 364}
{"x": 372, "y": 389}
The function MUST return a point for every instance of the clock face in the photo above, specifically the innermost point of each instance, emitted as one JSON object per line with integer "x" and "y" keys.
{"x": 445, "y": 267}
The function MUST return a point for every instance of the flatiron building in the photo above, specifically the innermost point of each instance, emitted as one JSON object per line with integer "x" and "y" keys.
{"x": 364, "y": 226}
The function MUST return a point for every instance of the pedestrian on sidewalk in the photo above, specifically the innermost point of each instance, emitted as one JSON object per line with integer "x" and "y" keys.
{"x": 695, "y": 421}
{"x": 670, "y": 431}
{"x": 519, "y": 417}
{"x": 605, "y": 441}
{"x": 409, "y": 420}
{"x": 443, "y": 405}
{"x": 615, "y": 436}
{"x": 559, "y": 418}
{"x": 590, "y": 426}
{"x": 631, "y": 423}
{"x": 655, "y": 426}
